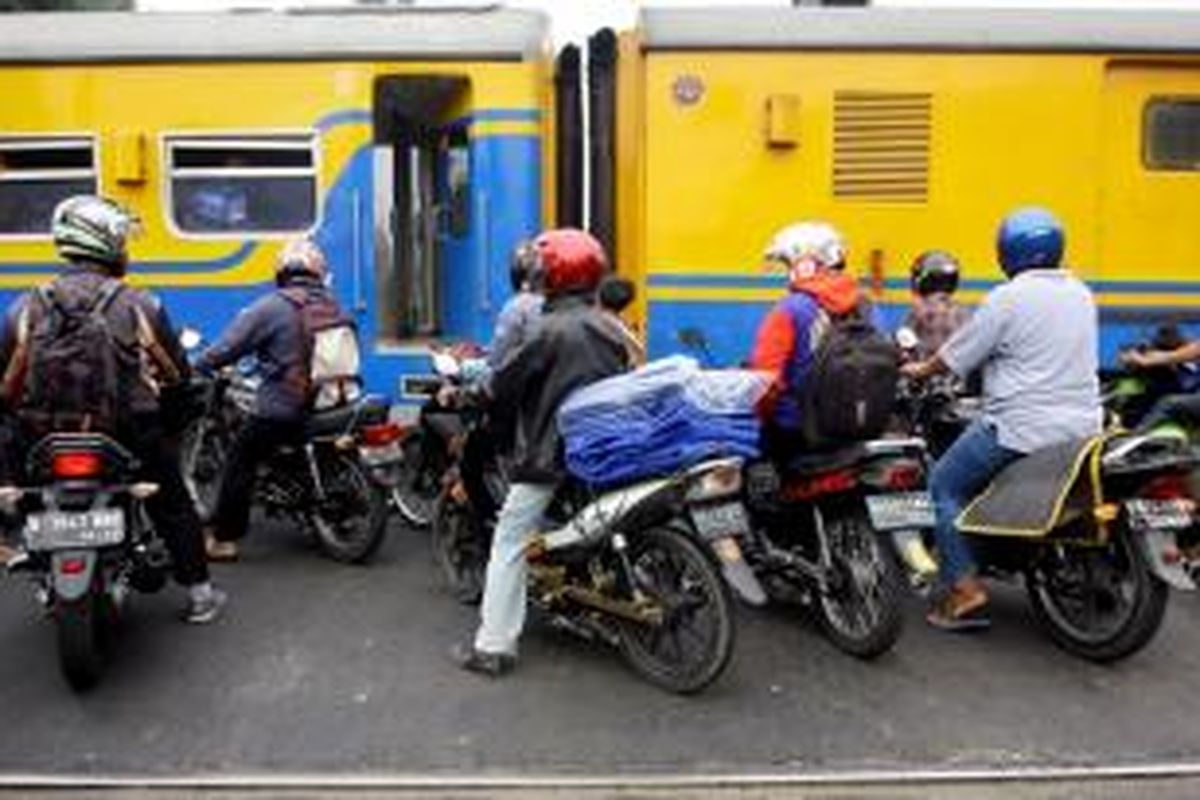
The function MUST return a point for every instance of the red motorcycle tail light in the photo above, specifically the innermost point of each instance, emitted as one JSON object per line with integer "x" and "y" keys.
{"x": 1165, "y": 487}
{"x": 380, "y": 435}
{"x": 72, "y": 566}
{"x": 901, "y": 475}
{"x": 76, "y": 465}
{"x": 826, "y": 483}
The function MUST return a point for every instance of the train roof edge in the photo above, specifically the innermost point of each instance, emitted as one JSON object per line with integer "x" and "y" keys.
{"x": 487, "y": 33}
{"x": 911, "y": 28}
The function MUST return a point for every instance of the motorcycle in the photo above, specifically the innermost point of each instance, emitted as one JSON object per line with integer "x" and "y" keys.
{"x": 819, "y": 529}
{"x": 335, "y": 482}
{"x": 818, "y": 533}
{"x": 634, "y": 568}
{"x": 1097, "y": 577}
{"x": 87, "y": 543}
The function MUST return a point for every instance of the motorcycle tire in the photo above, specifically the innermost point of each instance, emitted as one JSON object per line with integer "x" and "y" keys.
{"x": 861, "y": 611}
{"x": 669, "y": 566}
{"x": 202, "y": 463}
{"x": 415, "y": 494}
{"x": 1059, "y": 598}
{"x": 82, "y": 639}
{"x": 350, "y": 525}
{"x": 460, "y": 549}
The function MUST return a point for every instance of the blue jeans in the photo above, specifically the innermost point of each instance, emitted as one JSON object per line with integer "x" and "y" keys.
{"x": 503, "y": 613}
{"x": 958, "y": 477}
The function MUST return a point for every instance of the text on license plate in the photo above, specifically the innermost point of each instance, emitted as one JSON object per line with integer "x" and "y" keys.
{"x": 722, "y": 519}
{"x": 900, "y": 510}
{"x": 57, "y": 530}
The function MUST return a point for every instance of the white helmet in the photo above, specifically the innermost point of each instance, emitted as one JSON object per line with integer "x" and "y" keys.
{"x": 92, "y": 228}
{"x": 300, "y": 256}
{"x": 806, "y": 248}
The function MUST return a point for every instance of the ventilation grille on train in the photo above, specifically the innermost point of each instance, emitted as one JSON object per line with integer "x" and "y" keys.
{"x": 881, "y": 146}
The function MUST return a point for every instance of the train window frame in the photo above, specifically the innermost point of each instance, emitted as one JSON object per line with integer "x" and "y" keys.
{"x": 85, "y": 138}
{"x": 1149, "y": 162}
{"x": 168, "y": 140}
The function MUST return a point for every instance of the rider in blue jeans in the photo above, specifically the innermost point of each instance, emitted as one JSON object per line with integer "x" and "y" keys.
{"x": 1036, "y": 339}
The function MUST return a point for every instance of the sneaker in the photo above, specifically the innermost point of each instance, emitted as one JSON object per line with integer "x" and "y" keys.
{"x": 7, "y": 554}
{"x": 216, "y": 550}
{"x": 963, "y": 608}
{"x": 493, "y": 665}
{"x": 205, "y": 607}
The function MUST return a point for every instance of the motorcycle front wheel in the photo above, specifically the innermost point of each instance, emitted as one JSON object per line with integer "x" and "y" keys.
{"x": 350, "y": 524}
{"x": 692, "y": 645}
{"x": 460, "y": 543}
{"x": 203, "y": 455}
{"x": 415, "y": 493}
{"x": 860, "y": 609}
{"x": 1100, "y": 603}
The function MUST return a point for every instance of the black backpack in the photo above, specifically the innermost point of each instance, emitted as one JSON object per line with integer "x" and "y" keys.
{"x": 851, "y": 387}
{"x": 73, "y": 381}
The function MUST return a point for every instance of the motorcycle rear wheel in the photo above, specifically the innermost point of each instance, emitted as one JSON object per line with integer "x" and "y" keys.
{"x": 861, "y": 612}
{"x": 349, "y": 526}
{"x": 460, "y": 549}
{"x": 670, "y": 567}
{"x": 82, "y": 639}
{"x": 1100, "y": 603}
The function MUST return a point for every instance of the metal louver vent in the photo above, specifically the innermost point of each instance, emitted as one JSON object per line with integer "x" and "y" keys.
{"x": 881, "y": 146}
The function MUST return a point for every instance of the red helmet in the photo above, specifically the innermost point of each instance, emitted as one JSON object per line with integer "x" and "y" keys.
{"x": 571, "y": 260}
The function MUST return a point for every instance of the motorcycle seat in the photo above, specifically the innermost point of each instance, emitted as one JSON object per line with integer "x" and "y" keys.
{"x": 825, "y": 460}
{"x": 344, "y": 419}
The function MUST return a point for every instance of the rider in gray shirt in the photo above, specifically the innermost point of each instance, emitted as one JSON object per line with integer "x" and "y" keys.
{"x": 1036, "y": 340}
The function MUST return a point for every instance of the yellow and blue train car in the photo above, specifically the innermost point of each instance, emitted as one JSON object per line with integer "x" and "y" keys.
{"x": 415, "y": 146}
{"x": 909, "y": 129}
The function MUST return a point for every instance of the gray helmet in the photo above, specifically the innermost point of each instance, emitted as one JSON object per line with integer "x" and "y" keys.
{"x": 92, "y": 228}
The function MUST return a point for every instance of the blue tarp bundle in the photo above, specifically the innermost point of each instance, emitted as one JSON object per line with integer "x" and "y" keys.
{"x": 663, "y": 417}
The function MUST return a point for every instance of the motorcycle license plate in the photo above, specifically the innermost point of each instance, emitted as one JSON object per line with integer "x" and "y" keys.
{"x": 900, "y": 511}
{"x": 66, "y": 530}
{"x": 379, "y": 456}
{"x": 1161, "y": 514}
{"x": 720, "y": 520}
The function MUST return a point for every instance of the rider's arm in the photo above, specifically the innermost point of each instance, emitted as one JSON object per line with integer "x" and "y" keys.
{"x": 1185, "y": 354}
{"x": 243, "y": 337}
{"x": 975, "y": 342}
{"x": 163, "y": 344}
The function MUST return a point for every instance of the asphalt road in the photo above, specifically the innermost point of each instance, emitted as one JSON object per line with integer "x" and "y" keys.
{"x": 322, "y": 668}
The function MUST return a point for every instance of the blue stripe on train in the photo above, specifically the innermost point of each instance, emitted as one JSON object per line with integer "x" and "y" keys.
{"x": 730, "y": 326}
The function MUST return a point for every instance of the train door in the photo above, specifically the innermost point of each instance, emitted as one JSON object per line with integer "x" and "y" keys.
{"x": 424, "y": 258}
{"x": 1150, "y": 202}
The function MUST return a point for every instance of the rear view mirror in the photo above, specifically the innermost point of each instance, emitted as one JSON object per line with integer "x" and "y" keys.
{"x": 907, "y": 339}
{"x": 190, "y": 338}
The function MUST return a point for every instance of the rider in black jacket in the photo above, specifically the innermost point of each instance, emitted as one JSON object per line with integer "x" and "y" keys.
{"x": 571, "y": 345}
{"x": 90, "y": 233}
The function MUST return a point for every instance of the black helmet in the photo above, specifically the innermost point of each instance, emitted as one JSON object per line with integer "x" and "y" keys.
{"x": 523, "y": 268}
{"x": 935, "y": 271}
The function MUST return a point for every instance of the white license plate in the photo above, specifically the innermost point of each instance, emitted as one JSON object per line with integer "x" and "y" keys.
{"x": 65, "y": 530}
{"x": 377, "y": 456}
{"x": 1161, "y": 514}
{"x": 720, "y": 520}
{"x": 900, "y": 511}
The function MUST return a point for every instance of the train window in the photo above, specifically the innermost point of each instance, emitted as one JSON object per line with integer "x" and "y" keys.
{"x": 260, "y": 184}
{"x": 1172, "y": 134}
{"x": 36, "y": 174}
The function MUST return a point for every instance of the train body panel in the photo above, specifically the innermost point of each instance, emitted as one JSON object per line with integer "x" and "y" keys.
{"x": 907, "y": 137}
{"x": 416, "y": 176}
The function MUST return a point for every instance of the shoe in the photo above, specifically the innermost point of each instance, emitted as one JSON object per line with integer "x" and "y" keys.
{"x": 493, "y": 665}
{"x": 7, "y": 554}
{"x": 963, "y": 608}
{"x": 205, "y": 607}
{"x": 216, "y": 550}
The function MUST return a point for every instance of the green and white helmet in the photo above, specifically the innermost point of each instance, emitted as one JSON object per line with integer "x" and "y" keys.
{"x": 92, "y": 228}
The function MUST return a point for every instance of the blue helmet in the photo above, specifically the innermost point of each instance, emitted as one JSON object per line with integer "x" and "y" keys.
{"x": 1029, "y": 238}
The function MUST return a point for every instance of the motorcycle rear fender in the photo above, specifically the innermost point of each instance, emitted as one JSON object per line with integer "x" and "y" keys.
{"x": 1155, "y": 544}
{"x": 73, "y": 586}
{"x": 604, "y": 514}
